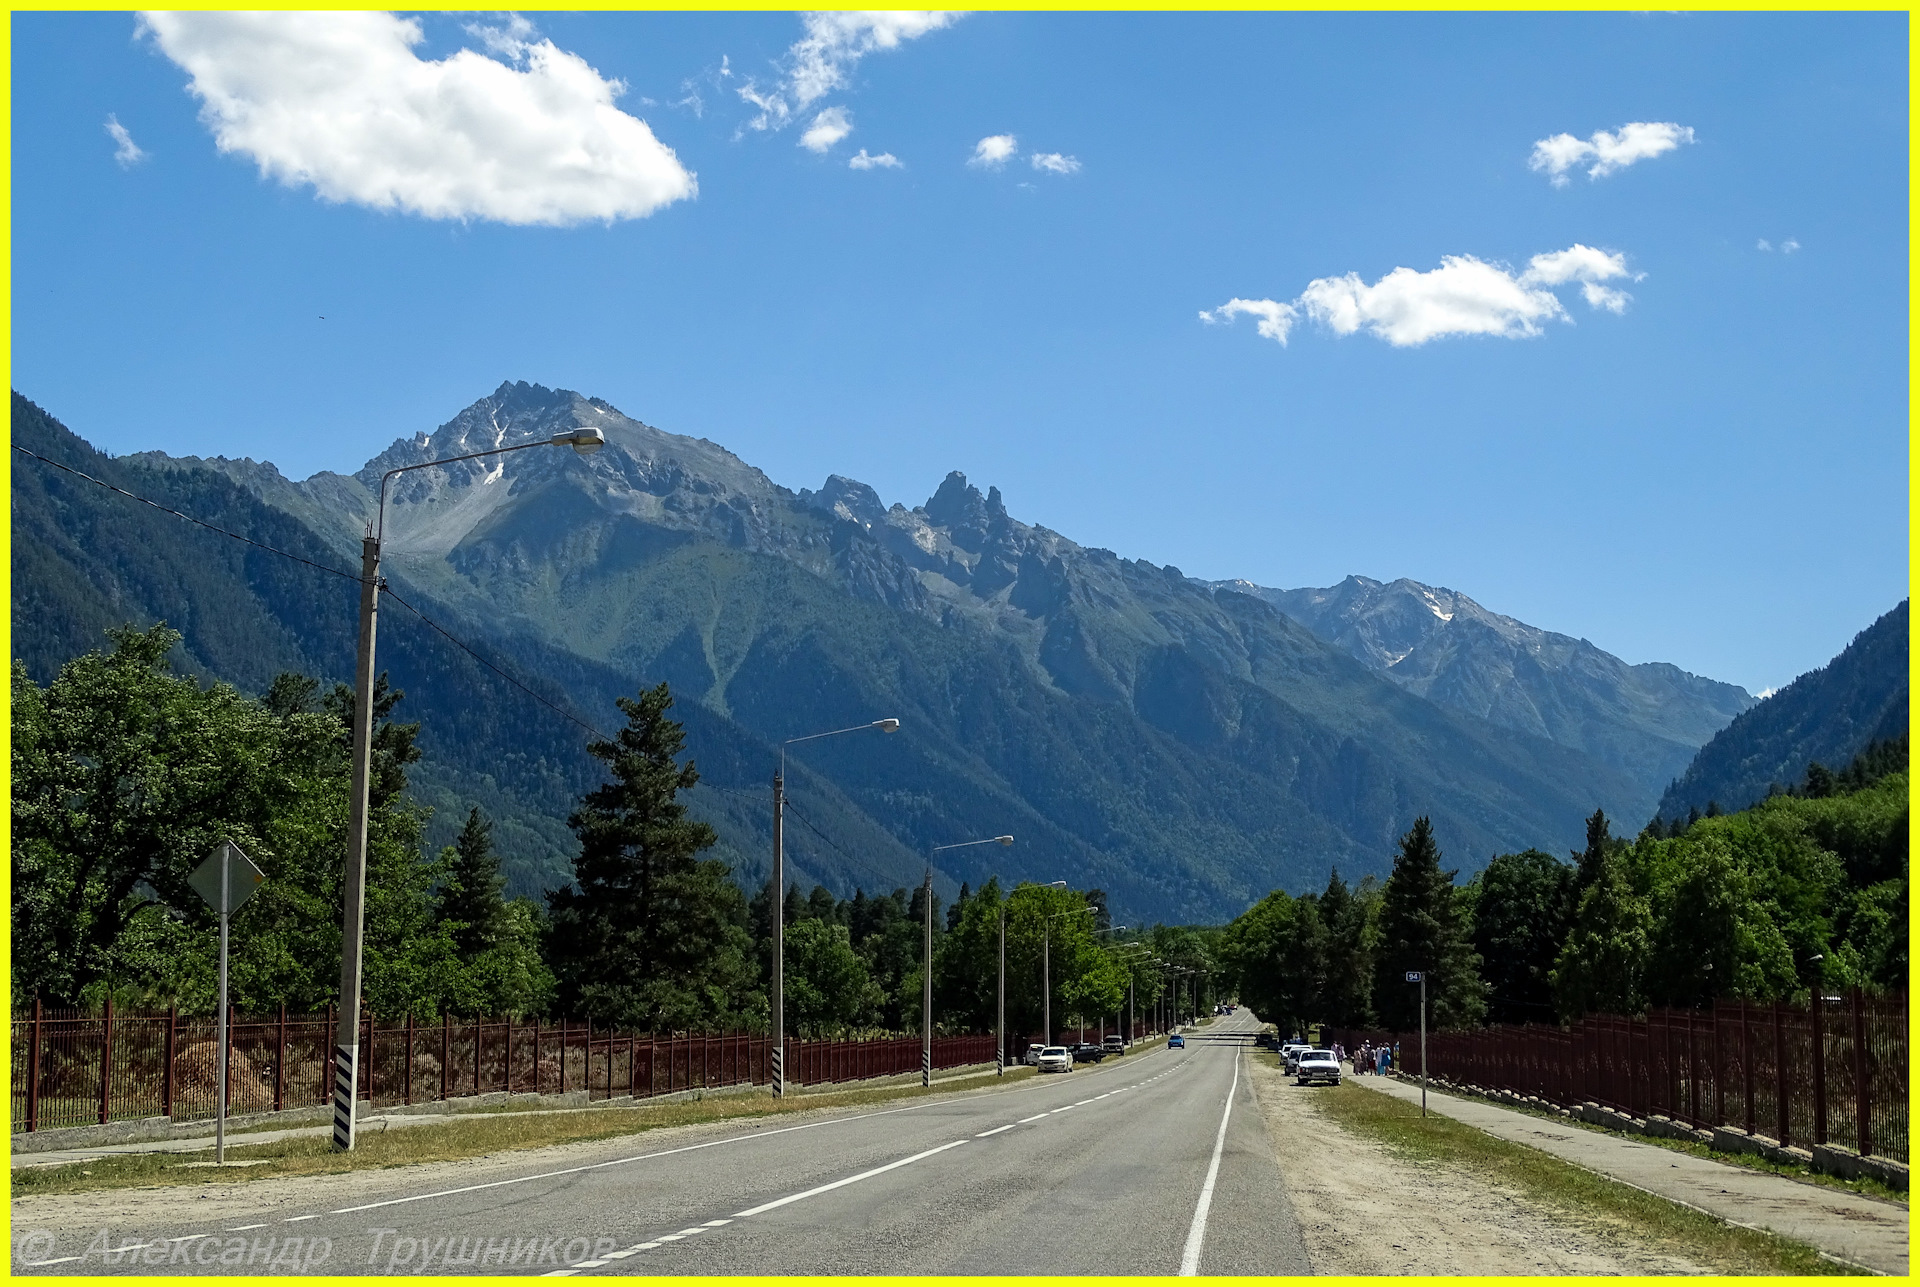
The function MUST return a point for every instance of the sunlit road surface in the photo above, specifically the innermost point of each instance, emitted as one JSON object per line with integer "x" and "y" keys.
{"x": 1154, "y": 1164}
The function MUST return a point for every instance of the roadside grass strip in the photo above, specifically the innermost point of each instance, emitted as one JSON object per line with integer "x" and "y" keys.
{"x": 1583, "y": 1194}
{"x": 459, "y": 1137}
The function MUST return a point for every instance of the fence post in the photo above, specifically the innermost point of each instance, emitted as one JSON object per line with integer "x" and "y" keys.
{"x": 166, "y": 1078}
{"x": 106, "y": 1057}
{"x": 1693, "y": 1072}
{"x": 446, "y": 1054}
{"x": 33, "y": 1070}
{"x": 563, "y": 1055}
{"x": 369, "y": 1049}
{"x": 1819, "y": 1061}
{"x": 536, "y": 1054}
{"x": 407, "y": 1084}
{"x": 1780, "y": 1067}
{"x": 326, "y": 1058}
{"x": 478, "y": 1029}
{"x": 1719, "y": 1071}
{"x": 280, "y": 1062}
{"x": 1862, "y": 1093}
{"x": 1746, "y": 1061}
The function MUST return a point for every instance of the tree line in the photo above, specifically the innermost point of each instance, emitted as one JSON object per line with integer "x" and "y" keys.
{"x": 126, "y": 775}
{"x": 1806, "y": 888}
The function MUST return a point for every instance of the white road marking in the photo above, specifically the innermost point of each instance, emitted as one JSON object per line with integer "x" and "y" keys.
{"x": 238, "y": 1228}
{"x": 1196, "y": 1235}
{"x": 619, "y": 1161}
{"x": 57, "y": 1260}
{"x": 618, "y": 1255}
{"x": 1036, "y": 1117}
{"x": 851, "y": 1179}
{"x": 715, "y": 1224}
{"x": 996, "y": 1130}
{"x": 296, "y": 1219}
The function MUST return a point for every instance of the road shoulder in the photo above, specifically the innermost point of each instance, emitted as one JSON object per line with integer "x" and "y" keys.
{"x": 1850, "y": 1227}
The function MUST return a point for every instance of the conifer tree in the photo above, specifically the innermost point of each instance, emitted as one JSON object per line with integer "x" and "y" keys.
{"x": 470, "y": 896}
{"x": 650, "y": 936}
{"x": 1422, "y": 928}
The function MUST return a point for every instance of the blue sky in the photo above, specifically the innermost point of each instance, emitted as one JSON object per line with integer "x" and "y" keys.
{"x": 1708, "y": 468}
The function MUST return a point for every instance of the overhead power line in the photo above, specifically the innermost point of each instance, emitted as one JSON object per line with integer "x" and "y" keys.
{"x": 384, "y": 587}
{"x": 177, "y": 514}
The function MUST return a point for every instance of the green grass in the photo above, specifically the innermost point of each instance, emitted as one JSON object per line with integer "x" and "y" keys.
{"x": 1865, "y": 1187}
{"x": 461, "y": 1136}
{"x": 1580, "y": 1193}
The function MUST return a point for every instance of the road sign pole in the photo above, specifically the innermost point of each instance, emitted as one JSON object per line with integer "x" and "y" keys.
{"x": 219, "y": 890}
{"x": 1423, "y": 1043}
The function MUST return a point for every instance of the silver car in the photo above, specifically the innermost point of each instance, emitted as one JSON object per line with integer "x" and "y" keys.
{"x": 1316, "y": 1065}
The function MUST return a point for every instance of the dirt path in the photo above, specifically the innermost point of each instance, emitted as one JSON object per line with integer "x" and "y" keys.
{"x": 1365, "y": 1211}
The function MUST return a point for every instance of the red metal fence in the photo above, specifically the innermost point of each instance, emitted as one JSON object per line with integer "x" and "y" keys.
{"x": 1802, "y": 1075}
{"x": 73, "y": 1069}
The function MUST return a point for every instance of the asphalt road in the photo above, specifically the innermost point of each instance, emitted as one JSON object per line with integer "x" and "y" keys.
{"x": 1156, "y": 1164}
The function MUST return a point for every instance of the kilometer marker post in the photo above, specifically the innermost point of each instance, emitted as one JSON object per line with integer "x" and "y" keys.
{"x": 1420, "y": 977}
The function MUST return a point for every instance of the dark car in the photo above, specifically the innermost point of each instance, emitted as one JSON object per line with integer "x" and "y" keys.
{"x": 1088, "y": 1053}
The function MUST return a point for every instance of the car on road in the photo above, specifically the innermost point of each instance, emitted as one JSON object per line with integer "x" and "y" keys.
{"x": 1176, "y": 1042}
{"x": 1114, "y": 1044}
{"x": 1055, "y": 1059}
{"x": 1088, "y": 1053}
{"x": 1032, "y": 1058}
{"x": 1316, "y": 1065}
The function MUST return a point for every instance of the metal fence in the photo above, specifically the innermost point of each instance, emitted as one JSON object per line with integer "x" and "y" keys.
{"x": 74, "y": 1069}
{"x": 1828, "y": 1072}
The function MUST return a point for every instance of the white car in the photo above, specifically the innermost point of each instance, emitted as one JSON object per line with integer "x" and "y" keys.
{"x": 1032, "y": 1058}
{"x": 1055, "y": 1059}
{"x": 1316, "y": 1065}
{"x": 1114, "y": 1044}
{"x": 1290, "y": 1051}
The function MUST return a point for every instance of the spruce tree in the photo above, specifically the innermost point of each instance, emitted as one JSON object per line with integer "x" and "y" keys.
{"x": 650, "y": 936}
{"x": 470, "y": 897}
{"x": 1422, "y": 928}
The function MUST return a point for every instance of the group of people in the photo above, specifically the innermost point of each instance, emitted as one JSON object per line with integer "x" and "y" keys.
{"x": 1371, "y": 1058}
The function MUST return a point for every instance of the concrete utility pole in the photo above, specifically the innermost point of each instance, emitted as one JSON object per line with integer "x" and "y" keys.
{"x": 1000, "y": 1019}
{"x": 777, "y": 880}
{"x": 585, "y": 440}
{"x": 926, "y": 991}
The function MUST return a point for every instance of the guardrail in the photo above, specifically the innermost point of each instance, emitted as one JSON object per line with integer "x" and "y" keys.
{"x": 1806, "y": 1075}
{"x": 76, "y": 1069}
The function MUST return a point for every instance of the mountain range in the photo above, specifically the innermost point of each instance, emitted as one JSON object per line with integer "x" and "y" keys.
{"x": 1185, "y": 746}
{"x": 1828, "y": 715}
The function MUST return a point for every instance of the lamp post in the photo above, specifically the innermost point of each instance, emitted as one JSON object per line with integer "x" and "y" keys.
{"x": 926, "y": 971}
{"x": 346, "y": 1042}
{"x": 778, "y": 877}
{"x": 1046, "y": 962}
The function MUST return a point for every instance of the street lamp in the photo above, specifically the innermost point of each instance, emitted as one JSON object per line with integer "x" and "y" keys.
{"x": 346, "y": 1041}
{"x": 779, "y": 879}
{"x": 1046, "y": 961}
{"x": 926, "y": 973}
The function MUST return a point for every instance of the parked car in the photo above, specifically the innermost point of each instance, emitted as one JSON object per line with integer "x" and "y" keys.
{"x": 1115, "y": 1044}
{"x": 1176, "y": 1042}
{"x": 1032, "y": 1057}
{"x": 1087, "y": 1053}
{"x": 1290, "y": 1051}
{"x": 1267, "y": 1041}
{"x": 1316, "y": 1065}
{"x": 1055, "y": 1059}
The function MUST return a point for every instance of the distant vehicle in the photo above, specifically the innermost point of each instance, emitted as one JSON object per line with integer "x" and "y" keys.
{"x": 1032, "y": 1057}
{"x": 1055, "y": 1059}
{"x": 1290, "y": 1052}
{"x": 1176, "y": 1042}
{"x": 1088, "y": 1053}
{"x": 1316, "y": 1065}
{"x": 1114, "y": 1044}
{"x": 1267, "y": 1041}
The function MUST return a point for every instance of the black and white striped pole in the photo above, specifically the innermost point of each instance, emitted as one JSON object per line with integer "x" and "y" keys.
{"x": 777, "y": 889}
{"x": 585, "y": 440}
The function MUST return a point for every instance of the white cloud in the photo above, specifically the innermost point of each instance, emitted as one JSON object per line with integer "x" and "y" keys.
{"x": 1609, "y": 152}
{"x": 1054, "y": 162}
{"x": 1464, "y": 296}
{"x": 827, "y": 129}
{"x": 820, "y": 61}
{"x": 885, "y": 161}
{"x": 1764, "y": 244}
{"x": 1788, "y": 246}
{"x": 340, "y": 101}
{"x": 125, "y": 150}
{"x": 1276, "y": 319}
{"x": 993, "y": 151}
